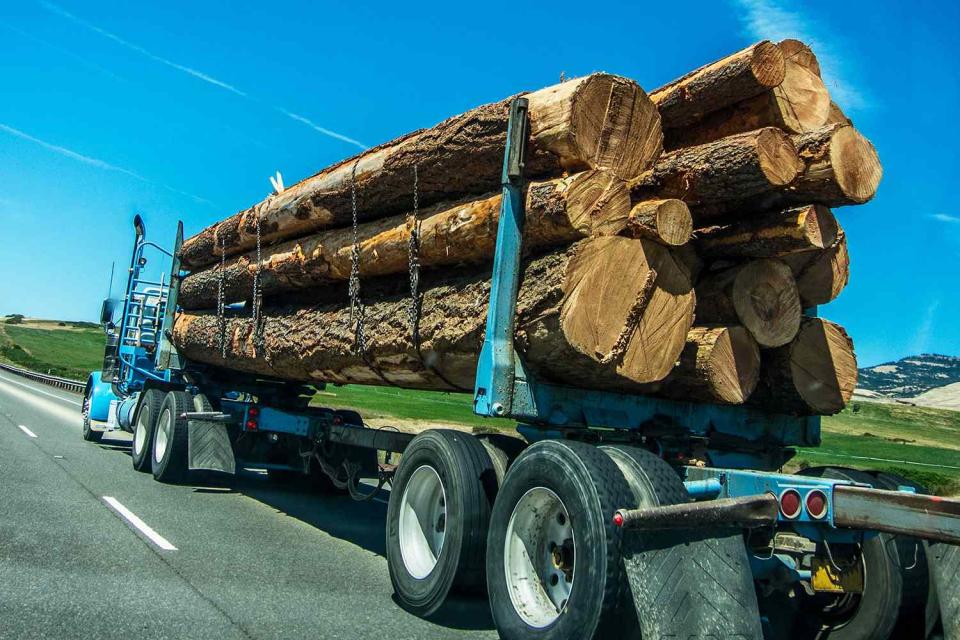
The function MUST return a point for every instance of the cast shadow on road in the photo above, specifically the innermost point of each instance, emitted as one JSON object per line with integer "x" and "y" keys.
{"x": 360, "y": 523}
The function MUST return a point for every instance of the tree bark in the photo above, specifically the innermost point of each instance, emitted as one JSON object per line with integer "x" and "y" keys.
{"x": 665, "y": 221}
{"x": 717, "y": 178}
{"x": 799, "y": 104}
{"x": 646, "y": 302}
{"x": 841, "y": 167}
{"x": 771, "y": 235}
{"x": 821, "y": 275}
{"x": 596, "y": 122}
{"x": 717, "y": 365}
{"x": 557, "y": 212}
{"x": 761, "y": 295}
{"x": 813, "y": 375}
{"x": 741, "y": 75}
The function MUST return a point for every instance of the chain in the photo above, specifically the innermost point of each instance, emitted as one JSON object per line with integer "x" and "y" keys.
{"x": 413, "y": 259}
{"x": 354, "y": 286}
{"x": 258, "y": 340}
{"x": 221, "y": 317}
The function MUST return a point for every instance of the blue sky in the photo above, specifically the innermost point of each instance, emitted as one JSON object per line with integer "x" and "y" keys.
{"x": 183, "y": 109}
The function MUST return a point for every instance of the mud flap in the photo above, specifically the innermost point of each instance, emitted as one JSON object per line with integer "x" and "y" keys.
{"x": 692, "y": 585}
{"x": 209, "y": 447}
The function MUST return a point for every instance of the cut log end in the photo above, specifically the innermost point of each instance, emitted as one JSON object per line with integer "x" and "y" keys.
{"x": 803, "y": 100}
{"x": 666, "y": 221}
{"x": 767, "y": 64}
{"x": 796, "y": 52}
{"x": 772, "y": 235}
{"x": 855, "y": 164}
{"x": 617, "y": 126}
{"x": 823, "y": 366}
{"x": 718, "y": 364}
{"x": 778, "y": 157}
{"x": 821, "y": 275}
{"x": 623, "y": 295}
{"x": 767, "y": 302}
{"x": 597, "y": 203}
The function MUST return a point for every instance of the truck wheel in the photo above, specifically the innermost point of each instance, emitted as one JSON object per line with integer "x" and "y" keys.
{"x": 170, "y": 441}
{"x": 437, "y": 518}
{"x": 945, "y": 566}
{"x": 685, "y": 584}
{"x": 144, "y": 425}
{"x": 553, "y": 553}
{"x": 919, "y": 608}
{"x": 871, "y": 615}
{"x": 89, "y": 434}
{"x": 503, "y": 450}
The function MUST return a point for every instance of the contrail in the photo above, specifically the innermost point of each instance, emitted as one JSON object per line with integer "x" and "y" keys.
{"x": 316, "y": 127}
{"x": 49, "y": 6}
{"x": 57, "y": 9}
{"x": 94, "y": 162}
{"x": 71, "y": 54}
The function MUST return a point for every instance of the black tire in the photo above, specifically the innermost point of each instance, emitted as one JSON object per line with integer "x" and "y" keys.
{"x": 88, "y": 433}
{"x": 945, "y": 566}
{"x": 919, "y": 608}
{"x": 590, "y": 488}
{"x": 468, "y": 483}
{"x": 170, "y": 464}
{"x": 685, "y": 584}
{"x": 202, "y": 403}
{"x": 146, "y": 419}
{"x": 503, "y": 450}
{"x": 871, "y": 615}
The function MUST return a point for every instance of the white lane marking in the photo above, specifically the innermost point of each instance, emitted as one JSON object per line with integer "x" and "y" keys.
{"x": 27, "y": 431}
{"x": 46, "y": 393}
{"x": 140, "y": 525}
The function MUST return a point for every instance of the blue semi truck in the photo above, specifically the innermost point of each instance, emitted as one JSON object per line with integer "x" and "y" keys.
{"x": 614, "y": 515}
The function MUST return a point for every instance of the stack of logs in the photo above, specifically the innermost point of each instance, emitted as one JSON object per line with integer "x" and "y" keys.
{"x": 674, "y": 243}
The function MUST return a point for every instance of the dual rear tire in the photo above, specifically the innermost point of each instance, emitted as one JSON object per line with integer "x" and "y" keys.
{"x": 160, "y": 434}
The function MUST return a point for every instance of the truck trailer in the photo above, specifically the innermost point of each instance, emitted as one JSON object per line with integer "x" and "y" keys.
{"x": 615, "y": 515}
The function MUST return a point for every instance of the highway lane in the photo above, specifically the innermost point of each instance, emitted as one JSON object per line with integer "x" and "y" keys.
{"x": 252, "y": 559}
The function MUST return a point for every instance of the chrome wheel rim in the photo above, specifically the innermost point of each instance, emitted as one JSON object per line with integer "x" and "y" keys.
{"x": 538, "y": 557}
{"x": 423, "y": 522}
{"x": 162, "y": 437}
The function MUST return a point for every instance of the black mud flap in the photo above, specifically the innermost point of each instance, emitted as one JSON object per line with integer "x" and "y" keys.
{"x": 209, "y": 447}
{"x": 692, "y": 584}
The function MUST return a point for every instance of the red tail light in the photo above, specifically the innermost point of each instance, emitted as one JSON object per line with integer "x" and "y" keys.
{"x": 790, "y": 504}
{"x": 816, "y": 504}
{"x": 251, "y": 425}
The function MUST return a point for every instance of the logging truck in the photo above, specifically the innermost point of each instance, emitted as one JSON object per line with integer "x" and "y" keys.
{"x": 615, "y": 514}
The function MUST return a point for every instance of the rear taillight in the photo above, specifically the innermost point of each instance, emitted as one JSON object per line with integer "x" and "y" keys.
{"x": 253, "y": 416}
{"x": 816, "y": 504}
{"x": 790, "y": 504}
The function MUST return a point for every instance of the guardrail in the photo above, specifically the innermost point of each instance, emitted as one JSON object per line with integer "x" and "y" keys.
{"x": 73, "y": 386}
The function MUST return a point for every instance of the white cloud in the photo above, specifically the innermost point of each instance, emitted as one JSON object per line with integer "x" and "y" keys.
{"x": 60, "y": 11}
{"x": 89, "y": 160}
{"x": 921, "y": 339}
{"x": 771, "y": 20}
{"x": 943, "y": 217}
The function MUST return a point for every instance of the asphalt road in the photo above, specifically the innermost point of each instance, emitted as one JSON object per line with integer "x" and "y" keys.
{"x": 232, "y": 558}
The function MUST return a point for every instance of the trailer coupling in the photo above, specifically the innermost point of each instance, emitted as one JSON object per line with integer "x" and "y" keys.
{"x": 848, "y": 507}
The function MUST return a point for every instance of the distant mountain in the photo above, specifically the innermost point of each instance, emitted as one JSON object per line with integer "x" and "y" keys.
{"x": 909, "y": 377}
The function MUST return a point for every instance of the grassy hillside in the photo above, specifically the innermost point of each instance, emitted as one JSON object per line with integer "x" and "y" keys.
{"x": 68, "y": 349}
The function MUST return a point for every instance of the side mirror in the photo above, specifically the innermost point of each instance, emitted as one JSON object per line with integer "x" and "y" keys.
{"x": 106, "y": 313}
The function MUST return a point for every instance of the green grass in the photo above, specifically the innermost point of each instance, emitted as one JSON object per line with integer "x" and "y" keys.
{"x": 71, "y": 352}
{"x": 428, "y": 406}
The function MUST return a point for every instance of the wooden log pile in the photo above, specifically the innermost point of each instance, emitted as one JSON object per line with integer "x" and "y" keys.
{"x": 674, "y": 245}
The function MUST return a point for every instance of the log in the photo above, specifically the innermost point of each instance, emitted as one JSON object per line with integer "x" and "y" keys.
{"x": 796, "y": 52}
{"x": 841, "y": 167}
{"x": 771, "y": 235}
{"x": 799, "y": 104}
{"x": 813, "y": 375}
{"x": 760, "y": 295}
{"x": 664, "y": 221}
{"x": 595, "y": 122}
{"x": 741, "y": 75}
{"x": 646, "y": 302}
{"x": 717, "y": 365}
{"x": 557, "y": 212}
{"x": 821, "y": 275}
{"x": 717, "y": 178}
{"x": 837, "y": 116}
